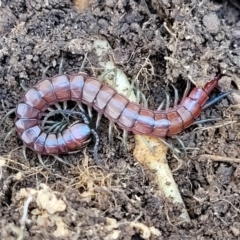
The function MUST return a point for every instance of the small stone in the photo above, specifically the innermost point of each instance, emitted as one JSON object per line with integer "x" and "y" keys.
{"x": 29, "y": 57}
{"x": 212, "y": 23}
{"x": 35, "y": 58}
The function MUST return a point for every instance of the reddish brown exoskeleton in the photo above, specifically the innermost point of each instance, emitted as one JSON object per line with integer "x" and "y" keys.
{"x": 104, "y": 99}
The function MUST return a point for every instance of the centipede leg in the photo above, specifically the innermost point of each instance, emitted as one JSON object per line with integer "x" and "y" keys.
{"x": 50, "y": 109}
{"x": 65, "y": 105}
{"x": 130, "y": 89}
{"x": 90, "y": 112}
{"x": 58, "y": 106}
{"x": 214, "y": 100}
{"x": 83, "y": 62}
{"x": 167, "y": 100}
{"x": 99, "y": 117}
{"x": 176, "y": 96}
{"x": 57, "y": 127}
{"x": 61, "y": 65}
{"x": 187, "y": 89}
{"x": 45, "y": 72}
{"x": 148, "y": 145}
{"x": 8, "y": 135}
{"x": 95, "y": 149}
{"x": 182, "y": 145}
{"x": 50, "y": 122}
{"x": 176, "y": 151}
{"x": 23, "y": 86}
{"x": 125, "y": 135}
{"x": 41, "y": 160}
{"x": 138, "y": 95}
{"x": 61, "y": 160}
{"x": 205, "y": 121}
{"x": 24, "y": 148}
{"x": 80, "y": 107}
{"x": 51, "y": 113}
{"x": 110, "y": 132}
{"x": 161, "y": 105}
{"x": 7, "y": 115}
{"x": 62, "y": 127}
{"x": 143, "y": 100}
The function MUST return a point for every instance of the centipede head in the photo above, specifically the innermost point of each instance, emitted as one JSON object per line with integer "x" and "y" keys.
{"x": 81, "y": 133}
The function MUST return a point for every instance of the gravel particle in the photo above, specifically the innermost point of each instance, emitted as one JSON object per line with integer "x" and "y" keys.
{"x": 212, "y": 23}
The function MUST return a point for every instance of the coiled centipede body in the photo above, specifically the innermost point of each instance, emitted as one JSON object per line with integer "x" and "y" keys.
{"x": 116, "y": 107}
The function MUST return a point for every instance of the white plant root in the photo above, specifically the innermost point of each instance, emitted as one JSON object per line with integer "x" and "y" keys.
{"x": 155, "y": 161}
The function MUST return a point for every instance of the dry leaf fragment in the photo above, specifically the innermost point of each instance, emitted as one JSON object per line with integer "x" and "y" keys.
{"x": 46, "y": 199}
{"x": 61, "y": 230}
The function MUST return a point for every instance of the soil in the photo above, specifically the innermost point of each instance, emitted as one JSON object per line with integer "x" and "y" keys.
{"x": 182, "y": 40}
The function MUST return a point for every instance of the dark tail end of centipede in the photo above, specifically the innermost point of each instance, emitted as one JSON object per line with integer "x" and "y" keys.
{"x": 208, "y": 88}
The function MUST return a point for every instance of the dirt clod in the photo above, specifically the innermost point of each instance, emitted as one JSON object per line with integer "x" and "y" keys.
{"x": 212, "y": 23}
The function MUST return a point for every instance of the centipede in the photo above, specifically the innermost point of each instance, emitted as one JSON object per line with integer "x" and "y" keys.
{"x": 84, "y": 89}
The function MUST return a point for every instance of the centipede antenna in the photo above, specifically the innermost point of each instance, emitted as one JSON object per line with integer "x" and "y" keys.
{"x": 8, "y": 135}
{"x": 182, "y": 145}
{"x": 95, "y": 149}
{"x": 161, "y": 105}
{"x": 44, "y": 73}
{"x": 61, "y": 65}
{"x": 176, "y": 96}
{"x": 84, "y": 117}
{"x": 6, "y": 115}
{"x": 83, "y": 62}
{"x": 110, "y": 132}
{"x": 214, "y": 100}
{"x": 205, "y": 121}
{"x": 125, "y": 135}
{"x": 99, "y": 117}
{"x": 187, "y": 89}
{"x": 167, "y": 96}
{"x": 61, "y": 160}
{"x": 89, "y": 112}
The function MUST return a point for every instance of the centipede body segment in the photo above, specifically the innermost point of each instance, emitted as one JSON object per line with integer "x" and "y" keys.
{"x": 104, "y": 99}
